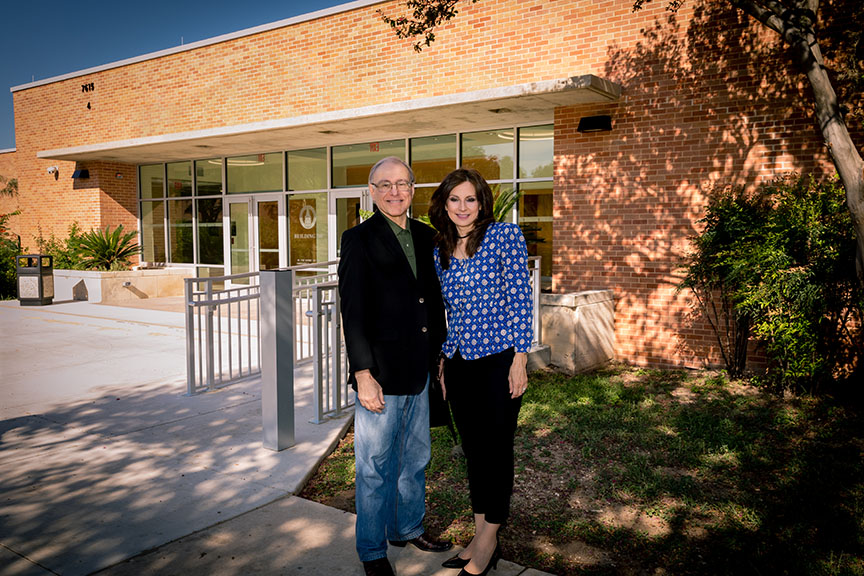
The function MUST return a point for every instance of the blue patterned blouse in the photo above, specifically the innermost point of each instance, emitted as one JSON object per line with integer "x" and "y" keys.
{"x": 488, "y": 296}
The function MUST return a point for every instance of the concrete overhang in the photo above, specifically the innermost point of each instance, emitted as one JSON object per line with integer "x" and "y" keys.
{"x": 522, "y": 104}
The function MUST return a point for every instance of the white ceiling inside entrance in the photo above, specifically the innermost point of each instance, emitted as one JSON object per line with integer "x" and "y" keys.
{"x": 484, "y": 109}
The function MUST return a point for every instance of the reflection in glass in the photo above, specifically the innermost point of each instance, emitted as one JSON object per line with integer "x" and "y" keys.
{"x": 536, "y": 152}
{"x": 420, "y": 204}
{"x": 347, "y": 216}
{"x": 504, "y": 188}
{"x": 536, "y": 219}
{"x": 153, "y": 231}
{"x": 268, "y": 235}
{"x": 238, "y": 222}
{"x": 307, "y": 169}
{"x": 307, "y": 228}
{"x": 180, "y": 231}
{"x": 211, "y": 272}
{"x": 351, "y": 164}
{"x": 179, "y": 179}
{"x": 208, "y": 177}
{"x": 210, "y": 246}
{"x": 255, "y": 173}
{"x": 433, "y": 158}
{"x": 489, "y": 152}
{"x": 152, "y": 180}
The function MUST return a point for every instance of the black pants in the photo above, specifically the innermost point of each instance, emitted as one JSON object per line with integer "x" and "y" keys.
{"x": 485, "y": 415}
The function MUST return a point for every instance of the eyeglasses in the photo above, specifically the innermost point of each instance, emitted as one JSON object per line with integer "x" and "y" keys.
{"x": 386, "y": 186}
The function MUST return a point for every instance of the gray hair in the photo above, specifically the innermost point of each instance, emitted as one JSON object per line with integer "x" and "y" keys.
{"x": 390, "y": 160}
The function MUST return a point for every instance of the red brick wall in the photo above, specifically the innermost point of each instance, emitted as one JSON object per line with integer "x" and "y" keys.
{"x": 704, "y": 102}
{"x": 714, "y": 110}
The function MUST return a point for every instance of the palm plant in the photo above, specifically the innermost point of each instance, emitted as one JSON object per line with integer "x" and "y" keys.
{"x": 108, "y": 250}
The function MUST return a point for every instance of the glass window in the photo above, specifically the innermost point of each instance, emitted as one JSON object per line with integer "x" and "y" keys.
{"x": 536, "y": 152}
{"x": 179, "y": 179}
{"x": 210, "y": 245}
{"x": 433, "y": 158}
{"x": 307, "y": 228}
{"x": 351, "y": 164}
{"x": 506, "y": 189}
{"x": 208, "y": 177}
{"x": 490, "y": 153}
{"x": 307, "y": 169}
{"x": 535, "y": 219}
{"x": 255, "y": 173}
{"x": 153, "y": 231}
{"x": 152, "y": 179}
{"x": 180, "y": 231}
{"x": 420, "y": 203}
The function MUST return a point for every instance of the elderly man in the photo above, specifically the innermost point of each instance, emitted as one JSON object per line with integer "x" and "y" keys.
{"x": 393, "y": 320}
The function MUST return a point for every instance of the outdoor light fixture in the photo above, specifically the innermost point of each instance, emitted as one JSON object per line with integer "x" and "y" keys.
{"x": 81, "y": 174}
{"x": 118, "y": 176}
{"x": 52, "y": 169}
{"x": 595, "y": 124}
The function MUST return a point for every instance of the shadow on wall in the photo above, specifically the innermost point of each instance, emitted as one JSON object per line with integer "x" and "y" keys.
{"x": 708, "y": 100}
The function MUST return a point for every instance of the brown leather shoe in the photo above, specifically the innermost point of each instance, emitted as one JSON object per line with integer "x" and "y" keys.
{"x": 425, "y": 543}
{"x": 379, "y": 567}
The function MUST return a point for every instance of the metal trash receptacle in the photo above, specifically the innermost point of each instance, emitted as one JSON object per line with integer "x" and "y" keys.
{"x": 35, "y": 279}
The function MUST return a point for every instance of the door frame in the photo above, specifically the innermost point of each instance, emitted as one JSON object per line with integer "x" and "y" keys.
{"x": 332, "y": 217}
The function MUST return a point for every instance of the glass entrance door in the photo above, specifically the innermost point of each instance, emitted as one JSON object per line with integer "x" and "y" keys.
{"x": 255, "y": 235}
{"x": 238, "y": 239}
{"x": 344, "y": 213}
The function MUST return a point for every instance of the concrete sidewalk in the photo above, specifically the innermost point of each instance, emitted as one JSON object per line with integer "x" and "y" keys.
{"x": 106, "y": 466}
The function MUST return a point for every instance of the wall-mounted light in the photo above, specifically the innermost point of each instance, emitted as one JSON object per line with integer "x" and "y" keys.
{"x": 118, "y": 175}
{"x": 81, "y": 174}
{"x": 595, "y": 124}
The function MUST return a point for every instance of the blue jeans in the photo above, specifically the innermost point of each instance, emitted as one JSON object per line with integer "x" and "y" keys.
{"x": 391, "y": 452}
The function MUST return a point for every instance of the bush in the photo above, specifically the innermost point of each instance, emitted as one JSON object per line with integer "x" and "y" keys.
{"x": 66, "y": 251}
{"x": 107, "y": 250}
{"x": 9, "y": 249}
{"x": 781, "y": 264}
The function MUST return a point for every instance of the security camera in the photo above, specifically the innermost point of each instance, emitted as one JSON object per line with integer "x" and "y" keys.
{"x": 52, "y": 169}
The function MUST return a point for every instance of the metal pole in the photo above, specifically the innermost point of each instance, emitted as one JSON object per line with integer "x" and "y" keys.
{"x": 276, "y": 311}
{"x": 190, "y": 338}
{"x": 318, "y": 358}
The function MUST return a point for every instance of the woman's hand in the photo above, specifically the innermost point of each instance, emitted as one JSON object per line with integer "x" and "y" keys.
{"x": 518, "y": 377}
{"x": 441, "y": 376}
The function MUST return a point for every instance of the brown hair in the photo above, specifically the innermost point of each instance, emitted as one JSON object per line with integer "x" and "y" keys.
{"x": 448, "y": 236}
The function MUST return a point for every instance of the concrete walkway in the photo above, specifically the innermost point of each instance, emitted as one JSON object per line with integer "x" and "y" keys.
{"x": 106, "y": 466}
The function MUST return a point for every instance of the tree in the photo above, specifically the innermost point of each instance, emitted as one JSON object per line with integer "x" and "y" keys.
{"x": 797, "y": 22}
{"x": 9, "y": 186}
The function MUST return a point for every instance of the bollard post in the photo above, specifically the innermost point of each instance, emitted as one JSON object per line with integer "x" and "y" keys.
{"x": 277, "y": 358}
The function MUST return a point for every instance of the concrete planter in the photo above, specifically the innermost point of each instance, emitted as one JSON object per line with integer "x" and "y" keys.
{"x": 119, "y": 287}
{"x": 579, "y": 328}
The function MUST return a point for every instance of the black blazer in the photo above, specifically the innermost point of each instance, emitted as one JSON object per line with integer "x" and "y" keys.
{"x": 393, "y": 323}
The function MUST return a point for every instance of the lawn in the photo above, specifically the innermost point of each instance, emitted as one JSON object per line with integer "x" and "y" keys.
{"x": 629, "y": 471}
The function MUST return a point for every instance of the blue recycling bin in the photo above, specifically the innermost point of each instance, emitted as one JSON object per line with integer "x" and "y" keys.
{"x": 35, "y": 279}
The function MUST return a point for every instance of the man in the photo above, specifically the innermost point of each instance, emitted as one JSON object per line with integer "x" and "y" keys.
{"x": 393, "y": 321}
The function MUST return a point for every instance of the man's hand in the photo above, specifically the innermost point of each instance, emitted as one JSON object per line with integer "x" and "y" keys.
{"x": 369, "y": 392}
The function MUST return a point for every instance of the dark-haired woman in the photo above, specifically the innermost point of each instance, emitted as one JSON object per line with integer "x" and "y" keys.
{"x": 483, "y": 268}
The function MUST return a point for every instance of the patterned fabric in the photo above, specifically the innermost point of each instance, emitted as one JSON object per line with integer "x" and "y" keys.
{"x": 488, "y": 296}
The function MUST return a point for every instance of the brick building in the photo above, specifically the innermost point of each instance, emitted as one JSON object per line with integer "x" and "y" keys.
{"x": 251, "y": 150}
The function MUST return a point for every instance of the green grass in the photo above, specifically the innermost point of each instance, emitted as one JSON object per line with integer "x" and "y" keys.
{"x": 631, "y": 471}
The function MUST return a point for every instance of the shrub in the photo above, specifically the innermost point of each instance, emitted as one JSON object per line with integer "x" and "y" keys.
{"x": 780, "y": 264}
{"x": 9, "y": 249}
{"x": 107, "y": 250}
{"x": 66, "y": 251}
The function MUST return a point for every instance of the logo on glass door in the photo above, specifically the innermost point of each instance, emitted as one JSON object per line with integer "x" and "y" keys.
{"x": 307, "y": 217}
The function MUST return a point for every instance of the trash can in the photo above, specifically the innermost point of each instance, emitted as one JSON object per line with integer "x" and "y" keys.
{"x": 35, "y": 279}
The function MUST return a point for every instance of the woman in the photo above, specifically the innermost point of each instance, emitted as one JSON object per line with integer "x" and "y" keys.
{"x": 483, "y": 268}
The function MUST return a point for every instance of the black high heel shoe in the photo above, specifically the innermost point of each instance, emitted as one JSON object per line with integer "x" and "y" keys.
{"x": 492, "y": 565}
{"x": 455, "y": 562}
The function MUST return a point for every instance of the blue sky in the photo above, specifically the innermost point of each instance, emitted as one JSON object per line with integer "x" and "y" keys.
{"x": 43, "y": 39}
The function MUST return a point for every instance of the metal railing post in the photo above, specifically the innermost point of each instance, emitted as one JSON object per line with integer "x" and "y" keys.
{"x": 190, "y": 336}
{"x": 208, "y": 337}
{"x": 318, "y": 360}
{"x": 276, "y": 313}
